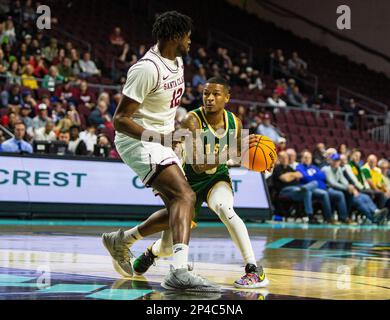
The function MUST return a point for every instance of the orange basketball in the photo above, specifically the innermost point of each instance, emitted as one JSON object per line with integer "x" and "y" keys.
{"x": 262, "y": 156}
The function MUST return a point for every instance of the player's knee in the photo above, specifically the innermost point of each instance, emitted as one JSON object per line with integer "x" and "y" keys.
{"x": 188, "y": 196}
{"x": 225, "y": 210}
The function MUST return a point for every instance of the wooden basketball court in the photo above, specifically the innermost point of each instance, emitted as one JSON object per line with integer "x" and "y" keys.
{"x": 66, "y": 260}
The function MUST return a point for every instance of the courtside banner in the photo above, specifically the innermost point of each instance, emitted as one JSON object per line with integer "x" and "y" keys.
{"x": 24, "y": 179}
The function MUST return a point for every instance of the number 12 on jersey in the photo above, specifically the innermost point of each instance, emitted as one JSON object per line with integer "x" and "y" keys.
{"x": 176, "y": 98}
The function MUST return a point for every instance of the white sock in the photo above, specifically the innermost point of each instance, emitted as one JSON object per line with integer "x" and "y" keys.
{"x": 162, "y": 248}
{"x": 180, "y": 255}
{"x": 221, "y": 202}
{"x": 132, "y": 236}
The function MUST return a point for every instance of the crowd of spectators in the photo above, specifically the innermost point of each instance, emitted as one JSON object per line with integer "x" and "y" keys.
{"x": 337, "y": 181}
{"x": 45, "y": 95}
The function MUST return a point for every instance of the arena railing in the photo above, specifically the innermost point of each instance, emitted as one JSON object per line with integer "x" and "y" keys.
{"x": 306, "y": 81}
{"x": 376, "y": 119}
{"x": 226, "y": 41}
{"x": 344, "y": 94}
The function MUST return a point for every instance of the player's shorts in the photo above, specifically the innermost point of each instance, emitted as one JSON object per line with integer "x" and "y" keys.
{"x": 202, "y": 189}
{"x": 145, "y": 158}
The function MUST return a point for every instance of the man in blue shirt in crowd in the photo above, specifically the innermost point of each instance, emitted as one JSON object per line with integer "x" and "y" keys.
{"x": 17, "y": 144}
{"x": 324, "y": 194}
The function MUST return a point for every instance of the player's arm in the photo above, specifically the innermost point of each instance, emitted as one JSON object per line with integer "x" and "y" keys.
{"x": 123, "y": 121}
{"x": 191, "y": 123}
{"x": 244, "y": 141}
{"x": 290, "y": 176}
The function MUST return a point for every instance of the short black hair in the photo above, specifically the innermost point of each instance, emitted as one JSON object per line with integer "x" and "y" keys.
{"x": 171, "y": 24}
{"x": 74, "y": 126}
{"x": 219, "y": 80}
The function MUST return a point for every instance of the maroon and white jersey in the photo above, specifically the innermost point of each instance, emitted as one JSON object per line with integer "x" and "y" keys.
{"x": 157, "y": 84}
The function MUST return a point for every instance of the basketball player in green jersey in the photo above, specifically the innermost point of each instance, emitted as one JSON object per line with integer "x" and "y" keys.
{"x": 211, "y": 182}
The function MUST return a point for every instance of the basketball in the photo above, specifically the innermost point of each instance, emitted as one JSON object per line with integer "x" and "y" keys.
{"x": 262, "y": 156}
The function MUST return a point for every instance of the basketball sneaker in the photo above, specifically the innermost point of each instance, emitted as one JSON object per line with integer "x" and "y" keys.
{"x": 119, "y": 251}
{"x": 144, "y": 262}
{"x": 380, "y": 216}
{"x": 254, "y": 277}
{"x": 184, "y": 280}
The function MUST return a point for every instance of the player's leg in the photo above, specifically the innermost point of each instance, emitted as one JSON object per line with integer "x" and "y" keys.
{"x": 220, "y": 200}
{"x": 180, "y": 200}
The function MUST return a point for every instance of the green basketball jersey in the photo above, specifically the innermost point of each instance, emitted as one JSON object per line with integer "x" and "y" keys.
{"x": 215, "y": 143}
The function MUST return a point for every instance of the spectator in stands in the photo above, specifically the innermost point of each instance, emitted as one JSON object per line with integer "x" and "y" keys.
{"x": 267, "y": 129}
{"x": 99, "y": 117}
{"x": 254, "y": 124}
{"x": 11, "y": 119}
{"x": 13, "y": 74}
{"x": 40, "y": 69}
{"x": 294, "y": 97}
{"x": 12, "y": 98}
{"x": 280, "y": 87}
{"x": 343, "y": 149}
{"x": 296, "y": 65}
{"x": 352, "y": 171}
{"x": 17, "y": 144}
{"x": 64, "y": 136}
{"x": 362, "y": 202}
{"x": 103, "y": 146}
{"x": 292, "y": 158}
{"x": 282, "y": 144}
{"x": 26, "y": 119}
{"x": 128, "y": 56}
{"x": 286, "y": 182}
{"x": 65, "y": 122}
{"x": 76, "y": 145}
{"x": 41, "y": 118}
{"x": 65, "y": 69}
{"x": 9, "y": 31}
{"x": 324, "y": 194}
{"x": 278, "y": 63}
{"x": 28, "y": 79}
{"x": 46, "y": 133}
{"x": 201, "y": 58}
{"x": 276, "y": 101}
{"x": 374, "y": 178}
{"x": 85, "y": 96}
{"x": 51, "y": 51}
{"x": 116, "y": 38}
{"x": 52, "y": 79}
{"x": 199, "y": 77}
{"x": 88, "y": 67}
{"x": 74, "y": 57}
{"x": 319, "y": 157}
{"x": 89, "y": 137}
{"x": 383, "y": 164}
{"x": 241, "y": 114}
{"x": 66, "y": 93}
{"x": 254, "y": 80}
{"x": 356, "y": 114}
{"x": 29, "y": 13}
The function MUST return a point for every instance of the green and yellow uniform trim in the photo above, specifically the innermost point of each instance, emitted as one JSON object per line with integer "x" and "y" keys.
{"x": 202, "y": 183}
